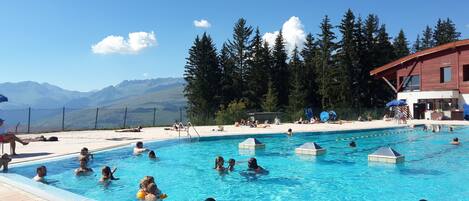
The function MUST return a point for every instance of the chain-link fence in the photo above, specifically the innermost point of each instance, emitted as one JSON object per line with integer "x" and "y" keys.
{"x": 33, "y": 120}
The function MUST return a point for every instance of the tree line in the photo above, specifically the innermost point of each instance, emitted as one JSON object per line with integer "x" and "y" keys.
{"x": 330, "y": 71}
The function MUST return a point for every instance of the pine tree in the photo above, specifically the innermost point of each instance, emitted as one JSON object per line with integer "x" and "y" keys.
{"x": 270, "y": 102}
{"x": 361, "y": 78}
{"x": 347, "y": 59}
{"x": 427, "y": 38}
{"x": 257, "y": 71}
{"x": 445, "y": 32}
{"x": 202, "y": 75}
{"x": 400, "y": 45}
{"x": 239, "y": 51}
{"x": 310, "y": 85}
{"x": 297, "y": 96}
{"x": 417, "y": 45}
{"x": 228, "y": 92}
{"x": 280, "y": 72}
{"x": 325, "y": 63}
{"x": 380, "y": 92}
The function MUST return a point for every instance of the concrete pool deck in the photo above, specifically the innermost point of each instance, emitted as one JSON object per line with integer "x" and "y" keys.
{"x": 71, "y": 142}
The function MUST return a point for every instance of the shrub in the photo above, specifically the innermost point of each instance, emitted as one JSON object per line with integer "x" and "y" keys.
{"x": 235, "y": 111}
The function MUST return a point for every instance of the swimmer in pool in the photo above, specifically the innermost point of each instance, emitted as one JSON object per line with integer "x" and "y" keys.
{"x": 352, "y": 144}
{"x": 138, "y": 149}
{"x": 455, "y": 141}
{"x": 107, "y": 175}
{"x": 219, "y": 164}
{"x": 41, "y": 173}
{"x": 84, "y": 153}
{"x": 252, "y": 166}
{"x": 231, "y": 164}
{"x": 152, "y": 155}
{"x": 83, "y": 169}
{"x": 290, "y": 132}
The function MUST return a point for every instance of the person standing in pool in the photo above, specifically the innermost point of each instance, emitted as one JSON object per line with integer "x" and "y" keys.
{"x": 83, "y": 169}
{"x": 219, "y": 164}
{"x": 41, "y": 173}
{"x": 84, "y": 153}
{"x": 252, "y": 166}
{"x": 290, "y": 132}
{"x": 107, "y": 175}
{"x": 231, "y": 164}
{"x": 138, "y": 149}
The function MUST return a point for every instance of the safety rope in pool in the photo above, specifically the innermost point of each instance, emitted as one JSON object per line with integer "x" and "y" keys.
{"x": 375, "y": 135}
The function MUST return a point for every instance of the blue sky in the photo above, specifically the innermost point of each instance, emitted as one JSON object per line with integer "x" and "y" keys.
{"x": 50, "y": 41}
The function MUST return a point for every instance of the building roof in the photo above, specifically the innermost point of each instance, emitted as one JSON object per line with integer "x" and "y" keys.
{"x": 433, "y": 50}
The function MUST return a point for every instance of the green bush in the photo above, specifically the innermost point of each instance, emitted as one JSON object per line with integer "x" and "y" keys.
{"x": 235, "y": 111}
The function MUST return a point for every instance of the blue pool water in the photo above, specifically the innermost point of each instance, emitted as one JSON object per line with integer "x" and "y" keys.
{"x": 434, "y": 169}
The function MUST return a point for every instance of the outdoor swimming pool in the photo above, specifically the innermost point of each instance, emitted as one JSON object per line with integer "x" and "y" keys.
{"x": 434, "y": 169}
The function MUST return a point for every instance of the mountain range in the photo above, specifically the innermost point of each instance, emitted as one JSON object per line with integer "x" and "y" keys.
{"x": 132, "y": 93}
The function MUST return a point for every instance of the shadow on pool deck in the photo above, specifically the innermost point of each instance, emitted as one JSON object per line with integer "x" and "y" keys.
{"x": 26, "y": 155}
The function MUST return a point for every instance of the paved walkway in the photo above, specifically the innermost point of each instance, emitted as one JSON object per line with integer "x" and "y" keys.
{"x": 71, "y": 142}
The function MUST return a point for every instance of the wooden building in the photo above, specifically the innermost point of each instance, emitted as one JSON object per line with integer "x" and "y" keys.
{"x": 432, "y": 80}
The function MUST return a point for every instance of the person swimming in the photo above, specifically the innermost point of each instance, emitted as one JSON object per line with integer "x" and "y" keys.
{"x": 152, "y": 155}
{"x": 252, "y": 166}
{"x": 83, "y": 169}
{"x": 138, "y": 149}
{"x": 219, "y": 164}
{"x": 107, "y": 174}
{"x": 84, "y": 153}
{"x": 290, "y": 132}
{"x": 231, "y": 164}
{"x": 455, "y": 141}
{"x": 41, "y": 173}
{"x": 352, "y": 144}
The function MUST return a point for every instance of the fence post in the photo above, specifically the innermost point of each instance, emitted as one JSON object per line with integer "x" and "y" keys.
{"x": 29, "y": 119}
{"x": 180, "y": 114}
{"x": 154, "y": 117}
{"x": 96, "y": 119}
{"x": 125, "y": 117}
{"x": 63, "y": 118}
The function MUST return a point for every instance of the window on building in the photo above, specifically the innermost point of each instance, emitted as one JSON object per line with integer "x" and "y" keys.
{"x": 445, "y": 74}
{"x": 465, "y": 70}
{"x": 410, "y": 83}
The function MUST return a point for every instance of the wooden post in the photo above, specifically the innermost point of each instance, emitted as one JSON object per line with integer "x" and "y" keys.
{"x": 63, "y": 118}
{"x": 154, "y": 117}
{"x": 29, "y": 119}
{"x": 96, "y": 119}
{"x": 125, "y": 117}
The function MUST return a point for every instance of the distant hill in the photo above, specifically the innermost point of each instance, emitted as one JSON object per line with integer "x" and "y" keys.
{"x": 46, "y": 96}
{"x": 141, "y": 97}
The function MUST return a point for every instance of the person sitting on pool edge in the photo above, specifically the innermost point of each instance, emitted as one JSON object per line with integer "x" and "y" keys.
{"x": 231, "y": 164}
{"x": 219, "y": 164}
{"x": 138, "y": 149}
{"x": 152, "y": 155}
{"x": 41, "y": 173}
{"x": 84, "y": 153}
{"x": 352, "y": 144}
{"x": 4, "y": 160}
{"x": 107, "y": 175}
{"x": 83, "y": 169}
{"x": 455, "y": 141}
{"x": 252, "y": 166}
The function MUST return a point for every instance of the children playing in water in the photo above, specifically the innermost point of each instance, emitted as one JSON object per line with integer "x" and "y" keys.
{"x": 231, "y": 164}
{"x": 41, "y": 173}
{"x": 149, "y": 190}
{"x": 83, "y": 169}
{"x": 219, "y": 164}
{"x": 4, "y": 160}
{"x": 107, "y": 175}
{"x": 84, "y": 153}
{"x": 138, "y": 149}
{"x": 152, "y": 155}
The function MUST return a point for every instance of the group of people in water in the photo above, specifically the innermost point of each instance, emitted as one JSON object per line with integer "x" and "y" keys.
{"x": 253, "y": 167}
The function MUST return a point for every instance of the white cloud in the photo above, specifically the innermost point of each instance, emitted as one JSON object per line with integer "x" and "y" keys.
{"x": 202, "y": 23}
{"x": 293, "y": 34}
{"x": 145, "y": 74}
{"x": 136, "y": 42}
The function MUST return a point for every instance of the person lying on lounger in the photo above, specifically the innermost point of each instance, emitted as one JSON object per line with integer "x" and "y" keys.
{"x": 11, "y": 138}
{"x": 138, "y": 129}
{"x": 4, "y": 160}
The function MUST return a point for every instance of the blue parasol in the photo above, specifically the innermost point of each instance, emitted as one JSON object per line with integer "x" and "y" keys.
{"x": 3, "y": 98}
{"x": 394, "y": 103}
